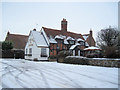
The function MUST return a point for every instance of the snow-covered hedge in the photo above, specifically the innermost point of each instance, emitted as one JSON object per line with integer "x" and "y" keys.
{"x": 105, "y": 62}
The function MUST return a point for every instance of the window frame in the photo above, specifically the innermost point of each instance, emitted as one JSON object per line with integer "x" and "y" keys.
{"x": 43, "y": 52}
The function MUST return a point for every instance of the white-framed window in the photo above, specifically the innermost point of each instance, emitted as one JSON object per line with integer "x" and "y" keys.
{"x": 43, "y": 52}
{"x": 30, "y": 50}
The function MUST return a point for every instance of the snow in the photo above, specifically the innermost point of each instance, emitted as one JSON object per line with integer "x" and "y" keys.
{"x": 86, "y": 44}
{"x": 75, "y": 57}
{"x": 70, "y": 38}
{"x": 92, "y": 48}
{"x": 51, "y": 40}
{"x": 94, "y": 58}
{"x": 65, "y": 41}
{"x": 73, "y": 46}
{"x": 107, "y": 58}
{"x": 59, "y": 37}
{"x": 39, "y": 39}
{"x": 20, "y": 73}
{"x": 85, "y": 37}
{"x": 79, "y": 39}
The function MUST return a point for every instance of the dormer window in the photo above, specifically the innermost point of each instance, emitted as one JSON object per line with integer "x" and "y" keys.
{"x": 81, "y": 43}
{"x": 71, "y": 42}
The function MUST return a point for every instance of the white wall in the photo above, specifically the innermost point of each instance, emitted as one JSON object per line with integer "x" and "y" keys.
{"x": 36, "y": 51}
{"x": 73, "y": 52}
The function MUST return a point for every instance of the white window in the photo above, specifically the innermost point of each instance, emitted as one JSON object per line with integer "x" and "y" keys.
{"x": 43, "y": 52}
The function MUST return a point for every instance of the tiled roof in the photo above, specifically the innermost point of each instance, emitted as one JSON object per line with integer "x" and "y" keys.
{"x": 19, "y": 41}
{"x": 54, "y": 32}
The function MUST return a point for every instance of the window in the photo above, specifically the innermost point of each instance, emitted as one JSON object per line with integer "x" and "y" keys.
{"x": 30, "y": 50}
{"x": 43, "y": 52}
{"x": 81, "y": 43}
{"x": 71, "y": 42}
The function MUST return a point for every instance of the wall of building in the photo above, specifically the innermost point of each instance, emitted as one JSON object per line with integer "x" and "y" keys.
{"x": 36, "y": 51}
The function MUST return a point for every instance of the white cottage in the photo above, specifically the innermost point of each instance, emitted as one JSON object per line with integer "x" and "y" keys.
{"x": 37, "y": 48}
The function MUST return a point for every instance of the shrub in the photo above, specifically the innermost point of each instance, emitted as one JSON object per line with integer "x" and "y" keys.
{"x": 35, "y": 59}
{"x": 62, "y": 54}
{"x": 7, "y": 45}
{"x": 81, "y": 61}
{"x": 92, "y": 55}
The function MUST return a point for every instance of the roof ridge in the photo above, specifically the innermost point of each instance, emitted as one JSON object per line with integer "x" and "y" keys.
{"x": 19, "y": 35}
{"x": 85, "y": 34}
{"x": 52, "y": 29}
{"x": 60, "y": 30}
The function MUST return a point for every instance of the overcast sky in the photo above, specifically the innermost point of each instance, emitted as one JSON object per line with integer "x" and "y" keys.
{"x": 21, "y": 17}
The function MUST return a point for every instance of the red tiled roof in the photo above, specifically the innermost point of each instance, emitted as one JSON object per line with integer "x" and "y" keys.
{"x": 54, "y": 32}
{"x": 19, "y": 41}
{"x": 85, "y": 34}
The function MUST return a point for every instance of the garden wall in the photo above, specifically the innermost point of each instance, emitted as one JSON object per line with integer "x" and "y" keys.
{"x": 13, "y": 54}
{"x": 105, "y": 62}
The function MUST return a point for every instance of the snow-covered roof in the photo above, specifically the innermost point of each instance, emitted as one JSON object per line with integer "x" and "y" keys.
{"x": 51, "y": 40}
{"x": 85, "y": 37}
{"x": 73, "y": 46}
{"x": 59, "y": 37}
{"x": 65, "y": 41}
{"x": 39, "y": 39}
{"x": 70, "y": 38}
{"x": 92, "y": 48}
{"x": 86, "y": 44}
{"x": 79, "y": 39}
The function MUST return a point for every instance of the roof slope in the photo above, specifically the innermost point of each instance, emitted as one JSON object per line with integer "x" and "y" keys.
{"x": 19, "y": 41}
{"x": 39, "y": 39}
{"x": 54, "y": 32}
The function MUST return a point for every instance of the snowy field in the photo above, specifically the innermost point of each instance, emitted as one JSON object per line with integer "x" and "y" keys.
{"x": 19, "y": 73}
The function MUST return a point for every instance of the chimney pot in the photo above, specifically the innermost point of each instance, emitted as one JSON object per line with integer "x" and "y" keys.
{"x": 34, "y": 29}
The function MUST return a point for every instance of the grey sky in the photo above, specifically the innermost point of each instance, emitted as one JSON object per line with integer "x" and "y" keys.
{"x": 21, "y": 17}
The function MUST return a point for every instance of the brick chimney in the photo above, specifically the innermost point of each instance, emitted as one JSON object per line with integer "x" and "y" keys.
{"x": 64, "y": 25}
{"x": 91, "y": 32}
{"x": 90, "y": 37}
{"x": 8, "y": 32}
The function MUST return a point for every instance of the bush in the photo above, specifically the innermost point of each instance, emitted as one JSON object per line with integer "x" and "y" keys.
{"x": 35, "y": 59}
{"x": 62, "y": 54}
{"x": 81, "y": 61}
{"x": 92, "y": 55}
{"x": 110, "y": 52}
{"x": 7, "y": 45}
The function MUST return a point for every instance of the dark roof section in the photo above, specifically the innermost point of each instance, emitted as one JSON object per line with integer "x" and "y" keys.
{"x": 85, "y": 34}
{"x": 54, "y": 32}
{"x": 19, "y": 41}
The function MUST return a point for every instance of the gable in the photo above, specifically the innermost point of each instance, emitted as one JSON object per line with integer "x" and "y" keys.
{"x": 39, "y": 39}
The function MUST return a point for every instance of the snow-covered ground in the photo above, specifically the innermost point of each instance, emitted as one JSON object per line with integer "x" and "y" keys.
{"x": 19, "y": 73}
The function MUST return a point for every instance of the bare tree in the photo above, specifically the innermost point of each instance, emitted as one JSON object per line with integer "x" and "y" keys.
{"x": 109, "y": 40}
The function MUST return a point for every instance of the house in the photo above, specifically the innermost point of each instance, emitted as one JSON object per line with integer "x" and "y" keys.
{"x": 37, "y": 47}
{"x": 49, "y": 42}
{"x": 19, "y": 42}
